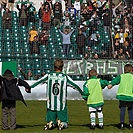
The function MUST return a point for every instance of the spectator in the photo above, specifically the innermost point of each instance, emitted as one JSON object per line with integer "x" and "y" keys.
{"x": 31, "y": 13}
{"x": 88, "y": 54}
{"x": 46, "y": 17}
{"x": 66, "y": 40}
{"x": 57, "y": 13}
{"x": 7, "y": 19}
{"x": 43, "y": 37}
{"x": 49, "y": 3}
{"x": 93, "y": 38}
{"x": 32, "y": 33}
{"x": 28, "y": 75}
{"x": 4, "y": 3}
{"x": 121, "y": 34}
{"x": 95, "y": 56}
{"x": 66, "y": 21}
{"x": 121, "y": 55}
{"x": 89, "y": 5}
{"x": 114, "y": 9}
{"x": 127, "y": 48}
{"x": 77, "y": 6}
{"x": 11, "y": 4}
{"x": 117, "y": 45}
{"x": 22, "y": 15}
{"x": 107, "y": 21}
{"x": 40, "y": 14}
{"x": 117, "y": 21}
{"x": 34, "y": 46}
{"x": 73, "y": 13}
{"x": 86, "y": 14}
{"x": 80, "y": 40}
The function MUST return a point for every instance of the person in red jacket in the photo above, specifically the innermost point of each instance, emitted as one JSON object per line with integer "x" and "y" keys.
{"x": 46, "y": 17}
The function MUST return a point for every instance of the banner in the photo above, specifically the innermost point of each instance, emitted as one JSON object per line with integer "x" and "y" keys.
{"x": 103, "y": 67}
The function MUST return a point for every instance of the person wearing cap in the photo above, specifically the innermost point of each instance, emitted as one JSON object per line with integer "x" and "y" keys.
{"x": 10, "y": 92}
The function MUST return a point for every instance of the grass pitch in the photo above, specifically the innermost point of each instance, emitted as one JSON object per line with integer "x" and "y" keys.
{"x": 31, "y": 119}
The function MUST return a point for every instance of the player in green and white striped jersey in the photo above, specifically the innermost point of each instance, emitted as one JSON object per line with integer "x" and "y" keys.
{"x": 57, "y": 83}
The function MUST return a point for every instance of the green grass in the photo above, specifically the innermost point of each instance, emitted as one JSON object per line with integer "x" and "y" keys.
{"x": 31, "y": 119}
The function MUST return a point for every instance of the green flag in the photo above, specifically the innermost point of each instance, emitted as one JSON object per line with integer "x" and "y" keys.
{"x": 11, "y": 65}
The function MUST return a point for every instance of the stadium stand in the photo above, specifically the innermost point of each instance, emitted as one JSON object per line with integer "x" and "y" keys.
{"x": 14, "y": 42}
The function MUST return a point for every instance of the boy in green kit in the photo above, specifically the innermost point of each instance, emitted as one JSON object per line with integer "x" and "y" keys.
{"x": 92, "y": 92}
{"x": 125, "y": 94}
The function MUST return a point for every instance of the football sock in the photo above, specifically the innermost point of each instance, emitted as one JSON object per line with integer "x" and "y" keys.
{"x": 100, "y": 118}
{"x": 122, "y": 114}
{"x": 93, "y": 117}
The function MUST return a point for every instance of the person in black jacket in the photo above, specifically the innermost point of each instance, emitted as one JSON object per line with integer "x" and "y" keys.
{"x": 80, "y": 40}
{"x": 23, "y": 16}
{"x": 10, "y": 92}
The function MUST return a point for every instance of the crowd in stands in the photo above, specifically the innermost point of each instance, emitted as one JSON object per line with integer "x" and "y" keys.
{"x": 116, "y": 21}
{"x": 101, "y": 29}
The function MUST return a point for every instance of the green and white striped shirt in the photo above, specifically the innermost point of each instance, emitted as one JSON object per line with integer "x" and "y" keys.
{"x": 57, "y": 83}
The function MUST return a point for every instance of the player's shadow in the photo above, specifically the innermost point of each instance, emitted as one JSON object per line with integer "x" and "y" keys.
{"x": 25, "y": 126}
{"x": 117, "y": 125}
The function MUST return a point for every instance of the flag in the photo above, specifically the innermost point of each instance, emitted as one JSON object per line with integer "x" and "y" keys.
{"x": 11, "y": 65}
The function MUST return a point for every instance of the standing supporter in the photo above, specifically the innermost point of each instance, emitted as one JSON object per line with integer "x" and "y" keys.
{"x": 40, "y": 14}
{"x": 80, "y": 40}
{"x": 114, "y": 9}
{"x": 43, "y": 37}
{"x": 22, "y": 15}
{"x": 11, "y": 4}
{"x": 107, "y": 21}
{"x": 121, "y": 54}
{"x": 72, "y": 12}
{"x": 66, "y": 40}
{"x": 35, "y": 46}
{"x": 57, "y": 14}
{"x": 77, "y": 6}
{"x": 7, "y": 18}
{"x": 94, "y": 37}
{"x": 66, "y": 21}
{"x": 127, "y": 48}
{"x": 92, "y": 92}
{"x": 4, "y": 4}
{"x": 88, "y": 53}
{"x": 57, "y": 83}
{"x": 10, "y": 93}
{"x": 32, "y": 33}
{"x": 31, "y": 13}
{"x": 125, "y": 94}
{"x": 46, "y": 17}
{"x": 49, "y": 3}
{"x": 86, "y": 14}
{"x": 28, "y": 75}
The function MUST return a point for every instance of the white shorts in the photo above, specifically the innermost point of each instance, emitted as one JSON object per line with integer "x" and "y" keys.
{"x": 91, "y": 109}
